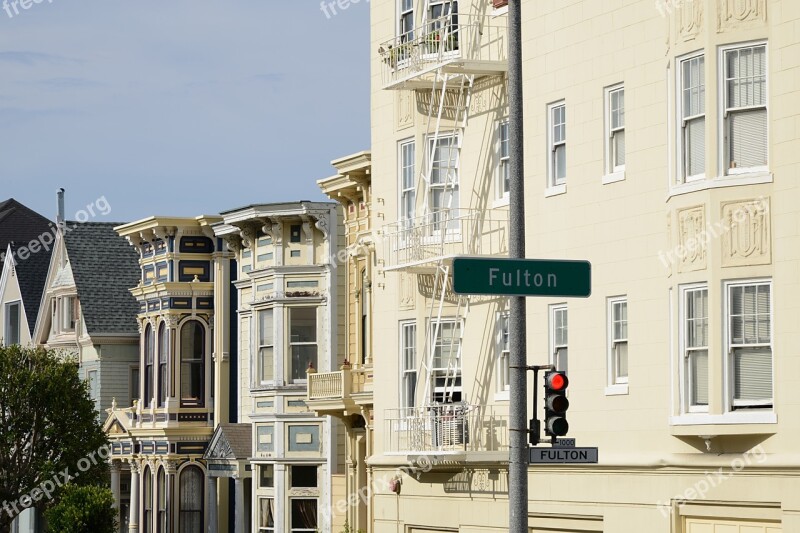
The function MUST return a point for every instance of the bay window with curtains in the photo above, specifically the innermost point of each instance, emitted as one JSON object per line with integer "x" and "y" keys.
{"x": 192, "y": 352}
{"x": 302, "y": 341}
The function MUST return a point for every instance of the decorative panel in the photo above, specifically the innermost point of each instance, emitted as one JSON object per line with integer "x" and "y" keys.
{"x": 733, "y": 14}
{"x": 692, "y": 239}
{"x": 405, "y": 109}
{"x": 747, "y": 238}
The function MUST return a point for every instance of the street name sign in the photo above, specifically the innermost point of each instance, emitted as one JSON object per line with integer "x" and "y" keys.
{"x": 562, "y": 455}
{"x": 522, "y": 277}
{"x": 564, "y": 443}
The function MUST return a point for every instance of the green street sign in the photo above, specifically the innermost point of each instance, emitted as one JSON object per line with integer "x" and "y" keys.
{"x": 522, "y": 277}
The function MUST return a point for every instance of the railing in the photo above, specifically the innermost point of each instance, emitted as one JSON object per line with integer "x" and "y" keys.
{"x": 452, "y": 38}
{"x": 339, "y": 385}
{"x": 446, "y": 233}
{"x": 447, "y": 428}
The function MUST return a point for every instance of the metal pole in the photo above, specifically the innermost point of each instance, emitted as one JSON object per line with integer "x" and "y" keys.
{"x": 518, "y": 460}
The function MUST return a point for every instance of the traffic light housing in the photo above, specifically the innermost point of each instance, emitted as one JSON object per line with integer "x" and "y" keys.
{"x": 555, "y": 404}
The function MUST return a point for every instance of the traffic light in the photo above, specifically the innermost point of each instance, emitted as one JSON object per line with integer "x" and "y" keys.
{"x": 555, "y": 404}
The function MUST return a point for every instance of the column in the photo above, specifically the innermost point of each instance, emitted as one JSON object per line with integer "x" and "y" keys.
{"x": 114, "y": 467}
{"x": 211, "y": 489}
{"x": 133, "y": 522}
{"x": 238, "y": 524}
{"x": 170, "y": 468}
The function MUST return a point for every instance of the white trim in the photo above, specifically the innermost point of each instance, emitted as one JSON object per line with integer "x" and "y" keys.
{"x": 754, "y": 178}
{"x": 551, "y": 184}
{"x": 502, "y": 383}
{"x": 500, "y": 196}
{"x": 722, "y": 105}
{"x": 617, "y": 390}
{"x": 685, "y": 407}
{"x": 555, "y": 190}
{"x": 734, "y": 417}
{"x": 679, "y": 178}
{"x": 497, "y": 11}
{"x": 615, "y": 384}
{"x": 400, "y": 145}
{"x": 403, "y": 401}
{"x": 551, "y": 327}
{"x": 614, "y": 177}
{"x": 608, "y": 164}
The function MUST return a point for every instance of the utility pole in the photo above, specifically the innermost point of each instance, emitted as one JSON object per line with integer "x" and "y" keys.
{"x": 518, "y": 420}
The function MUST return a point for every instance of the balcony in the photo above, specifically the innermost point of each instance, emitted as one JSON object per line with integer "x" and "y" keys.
{"x": 340, "y": 393}
{"x": 449, "y": 430}
{"x": 460, "y": 44}
{"x": 420, "y": 243}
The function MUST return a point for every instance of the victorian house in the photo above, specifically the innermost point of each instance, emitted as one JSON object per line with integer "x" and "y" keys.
{"x": 346, "y": 392}
{"x": 182, "y": 375}
{"x": 287, "y": 286}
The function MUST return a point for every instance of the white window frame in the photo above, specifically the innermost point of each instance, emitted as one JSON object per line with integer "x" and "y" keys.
{"x": 293, "y": 529}
{"x": 681, "y": 167}
{"x": 259, "y": 361}
{"x": 407, "y": 35}
{"x": 722, "y": 126}
{"x": 613, "y": 173}
{"x": 555, "y": 186}
{"x": 68, "y": 313}
{"x": 553, "y": 311}
{"x": 291, "y": 344}
{"x": 616, "y": 384}
{"x": 731, "y": 404}
{"x": 435, "y": 336}
{"x": 453, "y": 225}
{"x": 405, "y": 372}
{"x": 503, "y": 356}
{"x": 685, "y": 356}
{"x": 7, "y": 325}
{"x": 503, "y": 163}
{"x": 265, "y": 529}
{"x": 403, "y": 190}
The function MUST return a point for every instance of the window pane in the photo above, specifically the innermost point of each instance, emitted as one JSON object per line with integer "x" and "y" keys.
{"x": 267, "y": 514}
{"x": 622, "y": 359}
{"x": 266, "y": 359}
{"x": 265, "y": 332}
{"x": 267, "y": 479}
{"x": 12, "y": 321}
{"x": 698, "y": 368}
{"x": 192, "y": 341}
{"x": 304, "y": 514}
{"x": 694, "y": 145}
{"x": 560, "y": 164}
{"x": 302, "y": 357}
{"x": 303, "y": 476}
{"x": 747, "y": 141}
{"x": 752, "y": 369}
{"x": 303, "y": 324}
{"x": 619, "y": 148}
{"x": 191, "y": 500}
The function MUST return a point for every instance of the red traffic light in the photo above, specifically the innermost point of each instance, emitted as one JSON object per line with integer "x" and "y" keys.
{"x": 556, "y": 381}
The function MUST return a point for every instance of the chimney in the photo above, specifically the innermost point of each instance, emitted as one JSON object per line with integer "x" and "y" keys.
{"x": 60, "y": 215}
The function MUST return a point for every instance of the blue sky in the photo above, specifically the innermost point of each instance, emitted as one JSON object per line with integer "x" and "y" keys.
{"x": 183, "y": 107}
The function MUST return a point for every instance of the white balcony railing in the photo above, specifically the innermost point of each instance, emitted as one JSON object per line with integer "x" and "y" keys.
{"x": 474, "y": 42}
{"x": 427, "y": 239}
{"x": 340, "y": 384}
{"x": 447, "y": 428}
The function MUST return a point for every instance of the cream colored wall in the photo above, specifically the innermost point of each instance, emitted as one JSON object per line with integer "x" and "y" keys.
{"x": 10, "y": 294}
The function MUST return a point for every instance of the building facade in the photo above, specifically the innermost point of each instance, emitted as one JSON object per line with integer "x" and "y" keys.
{"x": 287, "y": 287}
{"x": 690, "y": 224}
{"x": 346, "y": 393}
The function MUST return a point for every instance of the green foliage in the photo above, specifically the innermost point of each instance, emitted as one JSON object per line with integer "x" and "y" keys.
{"x": 348, "y": 529}
{"x": 48, "y": 423}
{"x": 83, "y": 510}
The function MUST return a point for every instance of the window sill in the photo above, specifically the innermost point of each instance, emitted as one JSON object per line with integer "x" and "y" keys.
{"x": 497, "y": 11}
{"x": 614, "y": 177}
{"x": 729, "y": 423}
{"x": 501, "y": 202}
{"x": 502, "y": 396}
{"x": 555, "y": 190}
{"x": 620, "y": 389}
{"x": 734, "y": 180}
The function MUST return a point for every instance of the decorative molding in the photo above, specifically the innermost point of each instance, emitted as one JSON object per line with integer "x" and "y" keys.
{"x": 248, "y": 233}
{"x": 748, "y": 238}
{"x": 170, "y": 466}
{"x": 274, "y": 228}
{"x": 322, "y": 225}
{"x": 690, "y": 18}
{"x": 407, "y": 300}
{"x": 692, "y": 239}
{"x": 307, "y": 228}
{"x": 405, "y": 109}
{"x": 234, "y": 242}
{"x": 734, "y": 14}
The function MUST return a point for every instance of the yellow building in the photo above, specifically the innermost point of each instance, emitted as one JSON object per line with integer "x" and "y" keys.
{"x": 683, "y": 362}
{"x": 346, "y": 393}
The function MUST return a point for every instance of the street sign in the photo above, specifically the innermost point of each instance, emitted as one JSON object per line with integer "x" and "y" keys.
{"x": 522, "y": 277}
{"x": 564, "y": 443}
{"x": 562, "y": 455}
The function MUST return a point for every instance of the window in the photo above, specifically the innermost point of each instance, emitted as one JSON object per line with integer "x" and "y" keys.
{"x": 267, "y": 476}
{"x": 408, "y": 194}
{"x": 446, "y": 360}
{"x": 618, "y": 341}
{"x": 294, "y": 232}
{"x": 134, "y": 384}
{"x": 692, "y": 103}
{"x": 191, "y": 500}
{"x": 162, "y": 502}
{"x": 11, "y": 334}
{"x": 442, "y": 24}
{"x": 745, "y": 108}
{"x": 163, "y": 355}
{"x": 91, "y": 377}
{"x": 558, "y": 337}
{"x": 266, "y": 347}
{"x": 443, "y": 184}
{"x": 303, "y": 515}
{"x": 149, "y": 348}
{"x": 406, "y": 20}
{"x": 302, "y": 340}
{"x": 365, "y": 305}
{"x": 303, "y": 477}
{"x": 408, "y": 374}
{"x": 557, "y": 139}
{"x": 147, "y": 479}
{"x": 504, "y": 174}
{"x": 192, "y": 364}
{"x": 266, "y": 514}
{"x": 503, "y": 353}
{"x": 69, "y": 306}
{"x": 615, "y": 133}
{"x": 695, "y": 347}
{"x": 749, "y": 317}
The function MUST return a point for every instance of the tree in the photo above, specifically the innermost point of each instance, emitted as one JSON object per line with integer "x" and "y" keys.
{"x": 50, "y": 433}
{"x": 83, "y": 510}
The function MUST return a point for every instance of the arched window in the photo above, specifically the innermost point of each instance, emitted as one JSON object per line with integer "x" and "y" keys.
{"x": 147, "y": 527}
{"x": 162, "y": 501}
{"x": 192, "y": 364}
{"x": 149, "y": 349}
{"x": 163, "y": 354}
{"x": 191, "y": 500}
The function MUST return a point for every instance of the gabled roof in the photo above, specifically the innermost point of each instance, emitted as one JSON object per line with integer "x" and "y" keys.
{"x": 19, "y": 224}
{"x": 105, "y": 268}
{"x": 231, "y": 442}
{"x": 31, "y": 276}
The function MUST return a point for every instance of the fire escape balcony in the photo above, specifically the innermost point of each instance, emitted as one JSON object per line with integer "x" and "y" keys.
{"x": 457, "y": 431}
{"x": 341, "y": 393}
{"x": 459, "y": 44}
{"x": 421, "y": 243}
